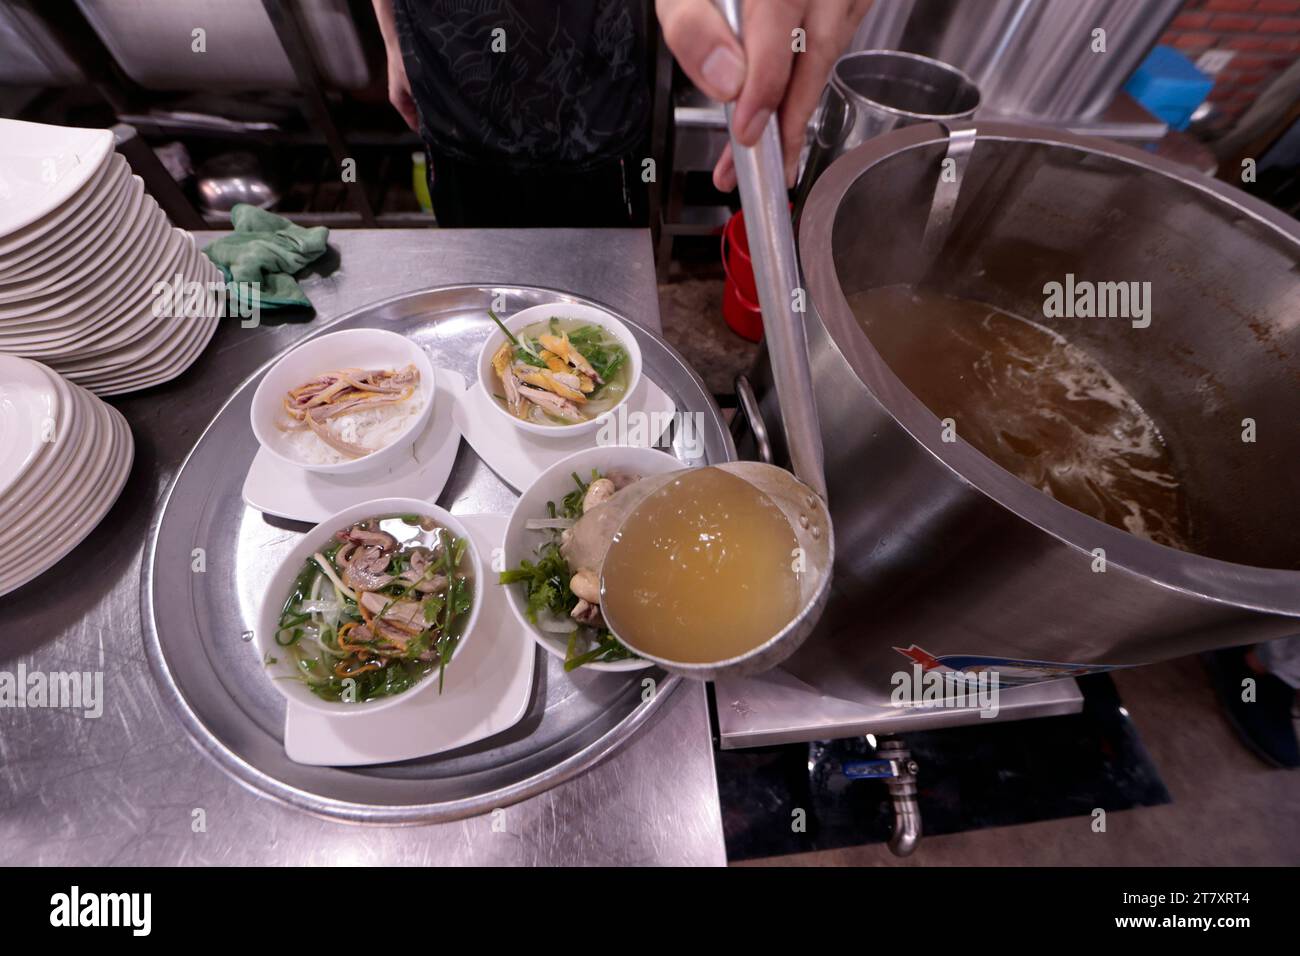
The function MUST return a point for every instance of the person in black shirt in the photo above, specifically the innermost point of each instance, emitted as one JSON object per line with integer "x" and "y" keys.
{"x": 536, "y": 112}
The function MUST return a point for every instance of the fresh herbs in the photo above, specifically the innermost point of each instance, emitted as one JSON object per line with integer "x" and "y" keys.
{"x": 526, "y": 350}
{"x": 522, "y": 354}
{"x": 546, "y": 582}
{"x": 289, "y": 629}
{"x": 573, "y": 500}
{"x": 502, "y": 326}
{"x": 594, "y": 343}
{"x": 456, "y": 604}
{"x": 607, "y": 649}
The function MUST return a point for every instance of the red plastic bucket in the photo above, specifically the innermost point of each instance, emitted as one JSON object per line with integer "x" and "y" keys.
{"x": 739, "y": 294}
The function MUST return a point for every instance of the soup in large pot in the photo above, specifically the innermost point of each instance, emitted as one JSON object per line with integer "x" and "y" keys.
{"x": 1041, "y": 407}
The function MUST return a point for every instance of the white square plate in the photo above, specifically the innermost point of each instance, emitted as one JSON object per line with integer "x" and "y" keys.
{"x": 28, "y": 402}
{"x": 44, "y": 166}
{"x": 488, "y": 689}
{"x": 280, "y": 489}
{"x": 519, "y": 457}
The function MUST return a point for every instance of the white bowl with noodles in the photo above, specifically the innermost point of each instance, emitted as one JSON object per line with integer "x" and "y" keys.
{"x": 520, "y": 542}
{"x": 587, "y": 315}
{"x": 369, "y": 349}
{"x": 278, "y": 659}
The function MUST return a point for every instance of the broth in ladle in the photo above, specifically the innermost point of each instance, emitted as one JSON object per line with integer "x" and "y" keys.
{"x": 704, "y": 570}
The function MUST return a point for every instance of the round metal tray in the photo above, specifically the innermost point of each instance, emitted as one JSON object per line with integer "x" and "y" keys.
{"x": 198, "y": 624}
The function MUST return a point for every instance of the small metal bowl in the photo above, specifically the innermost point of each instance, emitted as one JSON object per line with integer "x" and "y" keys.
{"x": 232, "y": 178}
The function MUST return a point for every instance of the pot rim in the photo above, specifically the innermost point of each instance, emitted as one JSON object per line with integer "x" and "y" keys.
{"x": 1267, "y": 590}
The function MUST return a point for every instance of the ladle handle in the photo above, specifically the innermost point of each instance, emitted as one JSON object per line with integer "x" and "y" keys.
{"x": 761, "y": 175}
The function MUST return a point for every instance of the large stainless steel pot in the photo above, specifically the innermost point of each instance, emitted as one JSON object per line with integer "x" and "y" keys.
{"x": 936, "y": 545}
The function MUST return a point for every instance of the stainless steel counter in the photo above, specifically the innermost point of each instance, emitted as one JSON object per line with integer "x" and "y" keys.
{"x": 126, "y": 788}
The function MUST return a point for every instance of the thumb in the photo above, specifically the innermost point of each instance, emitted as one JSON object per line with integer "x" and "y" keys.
{"x": 704, "y": 45}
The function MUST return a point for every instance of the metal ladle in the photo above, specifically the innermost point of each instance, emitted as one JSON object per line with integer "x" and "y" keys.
{"x": 592, "y": 536}
{"x": 760, "y": 173}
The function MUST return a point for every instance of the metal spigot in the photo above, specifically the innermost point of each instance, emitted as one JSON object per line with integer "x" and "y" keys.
{"x": 902, "y": 790}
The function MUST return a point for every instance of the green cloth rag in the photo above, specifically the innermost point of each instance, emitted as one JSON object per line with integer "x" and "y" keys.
{"x": 266, "y": 249}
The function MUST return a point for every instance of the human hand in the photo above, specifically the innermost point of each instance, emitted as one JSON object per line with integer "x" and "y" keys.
{"x": 399, "y": 87}
{"x": 399, "y": 90}
{"x": 766, "y": 75}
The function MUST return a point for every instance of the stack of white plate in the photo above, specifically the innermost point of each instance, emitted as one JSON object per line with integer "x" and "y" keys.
{"x": 64, "y": 457}
{"x": 86, "y": 259}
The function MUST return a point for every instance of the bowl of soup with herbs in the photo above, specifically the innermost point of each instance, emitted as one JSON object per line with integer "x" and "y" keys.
{"x": 370, "y": 606}
{"x": 558, "y": 369}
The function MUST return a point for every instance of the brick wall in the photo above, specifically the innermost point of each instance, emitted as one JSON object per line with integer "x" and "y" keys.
{"x": 1263, "y": 35}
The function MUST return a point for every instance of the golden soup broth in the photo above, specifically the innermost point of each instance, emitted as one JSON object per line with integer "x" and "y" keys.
{"x": 702, "y": 570}
{"x": 1039, "y": 406}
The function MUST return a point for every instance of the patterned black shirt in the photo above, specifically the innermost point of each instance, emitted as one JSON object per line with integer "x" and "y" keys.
{"x": 569, "y": 90}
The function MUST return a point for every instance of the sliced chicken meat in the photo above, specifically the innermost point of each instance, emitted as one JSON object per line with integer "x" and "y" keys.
{"x": 404, "y": 615}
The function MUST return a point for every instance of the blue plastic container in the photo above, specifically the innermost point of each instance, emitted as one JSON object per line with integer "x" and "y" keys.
{"x": 1170, "y": 86}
